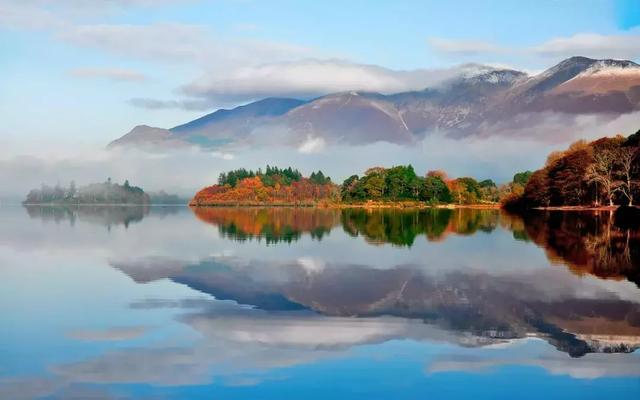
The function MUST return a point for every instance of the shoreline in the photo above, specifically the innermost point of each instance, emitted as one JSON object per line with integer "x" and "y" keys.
{"x": 400, "y": 205}
{"x": 582, "y": 208}
{"x": 97, "y": 204}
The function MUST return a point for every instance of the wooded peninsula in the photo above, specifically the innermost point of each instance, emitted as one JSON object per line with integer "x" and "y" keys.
{"x": 602, "y": 173}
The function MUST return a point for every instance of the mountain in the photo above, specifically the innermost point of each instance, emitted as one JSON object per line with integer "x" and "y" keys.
{"x": 480, "y": 100}
{"x": 217, "y": 128}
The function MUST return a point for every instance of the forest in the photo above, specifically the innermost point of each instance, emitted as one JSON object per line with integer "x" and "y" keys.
{"x": 604, "y": 172}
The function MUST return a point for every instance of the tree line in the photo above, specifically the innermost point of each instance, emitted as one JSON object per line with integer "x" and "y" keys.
{"x": 395, "y": 184}
{"x": 401, "y": 183}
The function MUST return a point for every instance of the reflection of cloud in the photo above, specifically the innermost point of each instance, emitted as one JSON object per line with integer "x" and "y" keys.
{"x": 591, "y": 366}
{"x": 243, "y": 346}
{"x": 110, "y": 334}
{"x": 27, "y": 388}
{"x": 310, "y": 332}
{"x": 311, "y": 265}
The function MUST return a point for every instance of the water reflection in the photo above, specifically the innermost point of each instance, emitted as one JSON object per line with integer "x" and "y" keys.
{"x": 279, "y": 224}
{"x": 107, "y": 216}
{"x": 399, "y": 227}
{"x": 588, "y": 242}
{"x": 188, "y": 309}
{"x": 574, "y": 316}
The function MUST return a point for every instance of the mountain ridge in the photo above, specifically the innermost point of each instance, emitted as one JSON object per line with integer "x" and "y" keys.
{"x": 472, "y": 103}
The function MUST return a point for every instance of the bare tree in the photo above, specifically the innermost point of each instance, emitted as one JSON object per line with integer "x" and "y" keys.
{"x": 603, "y": 172}
{"x": 627, "y": 161}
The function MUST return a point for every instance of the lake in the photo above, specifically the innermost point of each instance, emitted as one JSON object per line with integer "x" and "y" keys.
{"x": 280, "y": 303}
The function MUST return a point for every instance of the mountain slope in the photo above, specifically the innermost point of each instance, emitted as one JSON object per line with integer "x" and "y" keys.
{"x": 352, "y": 118}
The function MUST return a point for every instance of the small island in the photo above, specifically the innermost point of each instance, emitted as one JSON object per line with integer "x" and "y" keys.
{"x": 94, "y": 194}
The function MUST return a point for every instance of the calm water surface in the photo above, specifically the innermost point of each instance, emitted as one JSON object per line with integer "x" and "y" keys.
{"x": 164, "y": 303}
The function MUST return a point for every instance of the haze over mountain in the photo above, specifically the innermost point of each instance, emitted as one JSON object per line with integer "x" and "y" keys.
{"x": 480, "y": 101}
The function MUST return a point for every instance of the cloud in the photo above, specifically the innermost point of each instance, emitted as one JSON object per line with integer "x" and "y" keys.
{"x": 313, "y": 77}
{"x": 58, "y": 14}
{"x": 592, "y": 45}
{"x": 312, "y": 145}
{"x": 156, "y": 104}
{"x": 464, "y": 47}
{"x": 114, "y": 74}
{"x": 179, "y": 43}
{"x": 17, "y": 15}
{"x": 166, "y": 41}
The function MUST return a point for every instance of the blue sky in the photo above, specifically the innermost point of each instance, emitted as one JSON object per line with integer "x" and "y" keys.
{"x": 71, "y": 68}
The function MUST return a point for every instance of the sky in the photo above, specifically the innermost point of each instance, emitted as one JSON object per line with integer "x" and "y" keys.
{"x": 77, "y": 74}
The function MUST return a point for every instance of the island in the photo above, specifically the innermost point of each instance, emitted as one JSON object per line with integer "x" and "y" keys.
{"x": 95, "y": 193}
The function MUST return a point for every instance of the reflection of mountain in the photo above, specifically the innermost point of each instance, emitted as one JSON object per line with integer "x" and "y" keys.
{"x": 487, "y": 306}
{"x": 100, "y": 215}
{"x": 273, "y": 224}
{"x": 587, "y": 242}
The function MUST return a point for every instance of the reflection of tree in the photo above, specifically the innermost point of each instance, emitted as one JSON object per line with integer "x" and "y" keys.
{"x": 587, "y": 242}
{"x": 400, "y": 227}
{"x": 275, "y": 224}
{"x": 100, "y": 215}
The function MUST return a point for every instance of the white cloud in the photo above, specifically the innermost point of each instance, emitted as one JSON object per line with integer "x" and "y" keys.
{"x": 186, "y": 104}
{"x": 586, "y": 44}
{"x": 313, "y": 77}
{"x": 592, "y": 45}
{"x": 56, "y": 14}
{"x": 166, "y": 41}
{"x": 312, "y": 145}
{"x": 180, "y": 43}
{"x": 114, "y": 74}
{"x": 26, "y": 15}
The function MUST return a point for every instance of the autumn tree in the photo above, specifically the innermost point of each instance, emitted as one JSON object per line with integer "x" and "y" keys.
{"x": 626, "y": 159}
{"x": 602, "y": 172}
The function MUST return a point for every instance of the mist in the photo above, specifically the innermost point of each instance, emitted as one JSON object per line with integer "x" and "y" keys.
{"x": 183, "y": 172}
